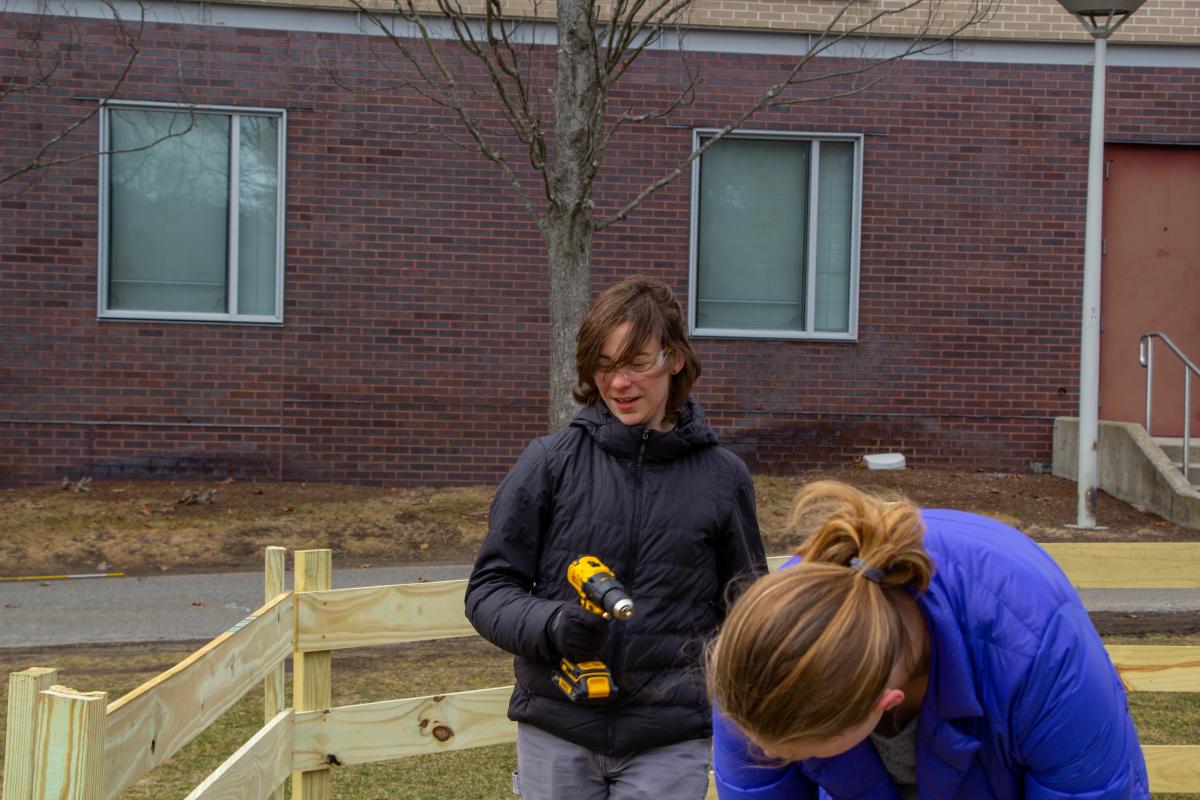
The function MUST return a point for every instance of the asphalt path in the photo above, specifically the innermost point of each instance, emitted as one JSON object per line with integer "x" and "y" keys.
{"x": 158, "y": 607}
{"x": 200, "y": 607}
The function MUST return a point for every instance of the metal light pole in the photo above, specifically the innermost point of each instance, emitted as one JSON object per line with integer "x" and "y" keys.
{"x": 1100, "y": 18}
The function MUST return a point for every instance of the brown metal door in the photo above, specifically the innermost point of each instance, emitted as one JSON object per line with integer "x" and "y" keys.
{"x": 1149, "y": 281}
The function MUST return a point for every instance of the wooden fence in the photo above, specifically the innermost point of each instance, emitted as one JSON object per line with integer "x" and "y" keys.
{"x": 71, "y": 745}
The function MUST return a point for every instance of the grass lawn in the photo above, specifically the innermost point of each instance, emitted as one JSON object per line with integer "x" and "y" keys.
{"x": 414, "y": 670}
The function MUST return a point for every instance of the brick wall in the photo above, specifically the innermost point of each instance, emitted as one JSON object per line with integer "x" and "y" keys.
{"x": 413, "y": 347}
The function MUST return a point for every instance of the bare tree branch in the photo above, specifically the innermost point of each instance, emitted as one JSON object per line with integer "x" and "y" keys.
{"x": 129, "y": 40}
{"x": 441, "y": 87}
{"x": 331, "y": 69}
{"x": 827, "y": 40}
{"x": 644, "y": 31}
{"x": 30, "y": 64}
{"x": 31, "y": 169}
{"x": 514, "y": 101}
{"x": 626, "y": 26}
{"x": 684, "y": 97}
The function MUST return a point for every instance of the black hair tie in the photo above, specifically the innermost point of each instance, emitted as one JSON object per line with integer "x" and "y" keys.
{"x": 872, "y": 574}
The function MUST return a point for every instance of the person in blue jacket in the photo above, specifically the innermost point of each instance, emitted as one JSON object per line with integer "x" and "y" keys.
{"x": 916, "y": 654}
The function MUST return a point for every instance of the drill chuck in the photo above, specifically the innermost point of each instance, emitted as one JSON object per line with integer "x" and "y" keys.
{"x": 603, "y": 589}
{"x": 623, "y": 608}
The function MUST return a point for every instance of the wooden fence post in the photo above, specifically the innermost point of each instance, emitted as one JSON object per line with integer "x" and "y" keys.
{"x": 69, "y": 748}
{"x": 273, "y": 695}
{"x": 23, "y": 688}
{"x": 311, "y": 680}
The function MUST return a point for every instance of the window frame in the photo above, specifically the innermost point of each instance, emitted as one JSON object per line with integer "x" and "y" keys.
{"x": 231, "y": 254}
{"x": 809, "y": 334}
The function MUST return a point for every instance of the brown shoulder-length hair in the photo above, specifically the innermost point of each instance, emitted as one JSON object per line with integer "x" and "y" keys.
{"x": 654, "y": 315}
{"x": 806, "y": 651}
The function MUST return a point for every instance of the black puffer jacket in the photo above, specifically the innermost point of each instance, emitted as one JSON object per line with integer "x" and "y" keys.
{"x": 672, "y": 514}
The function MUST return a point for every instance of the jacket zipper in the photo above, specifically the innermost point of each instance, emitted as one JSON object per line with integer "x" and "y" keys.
{"x": 631, "y": 560}
{"x": 637, "y": 505}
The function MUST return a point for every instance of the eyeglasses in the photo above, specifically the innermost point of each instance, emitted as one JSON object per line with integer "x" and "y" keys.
{"x": 639, "y": 368}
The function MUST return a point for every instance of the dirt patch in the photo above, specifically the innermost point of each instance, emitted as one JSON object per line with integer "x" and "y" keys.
{"x": 1131, "y": 626}
{"x": 1040, "y": 505}
{"x": 1034, "y": 503}
{"x": 141, "y": 527}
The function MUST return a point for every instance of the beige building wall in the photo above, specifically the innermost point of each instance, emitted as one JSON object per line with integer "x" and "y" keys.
{"x": 1157, "y": 22}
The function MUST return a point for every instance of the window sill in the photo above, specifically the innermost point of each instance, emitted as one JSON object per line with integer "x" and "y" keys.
{"x": 151, "y": 316}
{"x": 805, "y": 336}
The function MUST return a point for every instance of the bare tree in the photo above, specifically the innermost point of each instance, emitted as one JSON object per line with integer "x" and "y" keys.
{"x": 595, "y": 44}
{"x": 48, "y": 49}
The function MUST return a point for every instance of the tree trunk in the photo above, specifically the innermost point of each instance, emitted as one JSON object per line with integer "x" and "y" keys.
{"x": 569, "y": 242}
{"x": 569, "y": 224}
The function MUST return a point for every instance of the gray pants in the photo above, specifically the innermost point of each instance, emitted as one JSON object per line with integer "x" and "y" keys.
{"x": 550, "y": 768}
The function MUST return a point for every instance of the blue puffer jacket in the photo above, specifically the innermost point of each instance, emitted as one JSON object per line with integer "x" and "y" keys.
{"x": 1022, "y": 701}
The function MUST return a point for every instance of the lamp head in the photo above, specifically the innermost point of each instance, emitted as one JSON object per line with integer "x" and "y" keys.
{"x": 1100, "y": 8}
{"x": 1101, "y": 17}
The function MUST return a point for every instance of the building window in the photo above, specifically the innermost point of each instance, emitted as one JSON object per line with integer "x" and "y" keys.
{"x": 775, "y": 236}
{"x": 191, "y": 213}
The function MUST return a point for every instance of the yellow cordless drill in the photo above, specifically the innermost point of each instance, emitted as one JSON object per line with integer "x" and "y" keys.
{"x": 600, "y": 593}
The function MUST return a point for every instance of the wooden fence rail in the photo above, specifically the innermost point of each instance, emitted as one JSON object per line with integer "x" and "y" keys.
{"x": 151, "y": 723}
{"x": 70, "y": 745}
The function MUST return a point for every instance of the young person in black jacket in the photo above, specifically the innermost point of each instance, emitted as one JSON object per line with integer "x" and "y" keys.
{"x": 638, "y": 480}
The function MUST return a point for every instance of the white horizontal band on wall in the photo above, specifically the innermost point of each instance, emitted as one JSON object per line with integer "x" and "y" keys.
{"x": 311, "y": 20}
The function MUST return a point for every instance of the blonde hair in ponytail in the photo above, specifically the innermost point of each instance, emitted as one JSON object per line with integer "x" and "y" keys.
{"x": 806, "y": 651}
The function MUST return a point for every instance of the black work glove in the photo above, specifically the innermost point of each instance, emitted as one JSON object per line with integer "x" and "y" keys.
{"x": 577, "y": 634}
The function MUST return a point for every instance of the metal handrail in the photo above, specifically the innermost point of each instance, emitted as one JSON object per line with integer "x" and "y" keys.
{"x": 1146, "y": 359}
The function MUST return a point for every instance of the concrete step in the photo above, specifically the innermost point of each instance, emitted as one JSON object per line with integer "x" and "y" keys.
{"x": 1133, "y": 468}
{"x": 1172, "y": 446}
{"x": 1193, "y": 475}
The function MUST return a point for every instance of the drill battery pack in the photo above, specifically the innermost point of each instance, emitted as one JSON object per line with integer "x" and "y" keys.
{"x": 585, "y": 681}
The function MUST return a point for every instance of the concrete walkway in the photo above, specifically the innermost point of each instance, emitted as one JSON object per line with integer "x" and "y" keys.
{"x": 157, "y": 608}
{"x": 177, "y": 607}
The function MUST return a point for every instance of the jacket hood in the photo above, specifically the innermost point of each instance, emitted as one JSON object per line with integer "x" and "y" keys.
{"x": 691, "y": 431}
